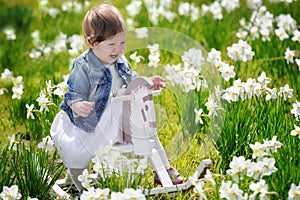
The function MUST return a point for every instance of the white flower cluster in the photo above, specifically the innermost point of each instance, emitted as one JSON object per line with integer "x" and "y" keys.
{"x": 188, "y": 76}
{"x": 7, "y": 80}
{"x": 103, "y": 194}
{"x": 261, "y": 20}
{"x": 46, "y": 143}
{"x": 215, "y": 8}
{"x": 45, "y": 98}
{"x": 156, "y": 9}
{"x": 240, "y": 51}
{"x": 261, "y": 25}
{"x": 162, "y": 9}
{"x": 67, "y": 6}
{"x": 109, "y": 161}
{"x": 263, "y": 164}
{"x": 154, "y": 55}
{"x": 286, "y": 26}
{"x": 226, "y": 70}
{"x": 255, "y": 87}
{"x": 253, "y": 171}
{"x": 284, "y": 1}
{"x": 212, "y": 107}
{"x": 76, "y": 45}
{"x": 12, "y": 193}
{"x": 189, "y": 10}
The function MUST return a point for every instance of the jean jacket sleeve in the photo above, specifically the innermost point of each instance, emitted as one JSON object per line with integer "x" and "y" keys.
{"x": 78, "y": 84}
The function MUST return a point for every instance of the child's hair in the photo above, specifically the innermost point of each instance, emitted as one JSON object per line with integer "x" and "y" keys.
{"x": 102, "y": 22}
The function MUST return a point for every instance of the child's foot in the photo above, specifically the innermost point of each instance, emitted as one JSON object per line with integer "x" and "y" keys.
{"x": 173, "y": 174}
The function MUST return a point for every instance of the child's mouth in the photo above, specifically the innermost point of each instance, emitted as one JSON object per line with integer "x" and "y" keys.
{"x": 114, "y": 56}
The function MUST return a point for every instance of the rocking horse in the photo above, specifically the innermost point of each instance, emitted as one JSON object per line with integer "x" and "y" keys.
{"x": 139, "y": 124}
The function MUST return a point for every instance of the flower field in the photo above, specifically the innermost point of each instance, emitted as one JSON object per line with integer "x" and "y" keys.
{"x": 232, "y": 95}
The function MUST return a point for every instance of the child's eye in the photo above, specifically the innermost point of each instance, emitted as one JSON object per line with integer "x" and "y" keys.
{"x": 111, "y": 44}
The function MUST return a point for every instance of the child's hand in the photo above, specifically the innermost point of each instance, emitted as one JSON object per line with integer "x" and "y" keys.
{"x": 82, "y": 108}
{"x": 159, "y": 82}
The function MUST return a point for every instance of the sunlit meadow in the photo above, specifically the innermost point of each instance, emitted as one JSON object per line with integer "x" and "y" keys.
{"x": 233, "y": 97}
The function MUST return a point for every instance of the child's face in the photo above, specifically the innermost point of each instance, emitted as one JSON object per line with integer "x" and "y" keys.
{"x": 109, "y": 50}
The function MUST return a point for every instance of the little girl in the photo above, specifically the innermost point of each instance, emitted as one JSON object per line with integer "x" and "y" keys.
{"x": 86, "y": 120}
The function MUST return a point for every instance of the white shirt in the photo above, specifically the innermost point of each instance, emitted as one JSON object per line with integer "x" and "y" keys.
{"x": 109, "y": 128}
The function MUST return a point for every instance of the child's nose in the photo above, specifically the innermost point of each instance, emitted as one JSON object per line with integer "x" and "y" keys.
{"x": 119, "y": 49}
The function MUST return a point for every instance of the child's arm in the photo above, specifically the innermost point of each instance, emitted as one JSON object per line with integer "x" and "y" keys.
{"x": 77, "y": 94}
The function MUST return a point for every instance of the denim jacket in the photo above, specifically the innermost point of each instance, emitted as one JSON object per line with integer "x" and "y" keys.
{"x": 90, "y": 80}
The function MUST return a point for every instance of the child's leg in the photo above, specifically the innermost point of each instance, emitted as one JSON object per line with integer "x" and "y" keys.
{"x": 74, "y": 173}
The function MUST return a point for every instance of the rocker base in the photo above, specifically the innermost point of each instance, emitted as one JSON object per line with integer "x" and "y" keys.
{"x": 199, "y": 173}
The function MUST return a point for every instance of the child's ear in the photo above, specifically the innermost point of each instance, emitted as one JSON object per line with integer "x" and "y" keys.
{"x": 90, "y": 42}
{"x": 93, "y": 44}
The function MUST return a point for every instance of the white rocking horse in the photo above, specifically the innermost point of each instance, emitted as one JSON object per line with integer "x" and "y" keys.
{"x": 139, "y": 124}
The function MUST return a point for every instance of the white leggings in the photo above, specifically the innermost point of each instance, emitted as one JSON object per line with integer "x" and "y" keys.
{"x": 73, "y": 174}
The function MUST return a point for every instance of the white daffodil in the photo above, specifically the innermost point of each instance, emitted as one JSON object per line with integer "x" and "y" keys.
{"x": 199, "y": 115}
{"x": 213, "y": 56}
{"x": 199, "y": 190}
{"x": 17, "y": 91}
{"x": 231, "y": 191}
{"x": 260, "y": 188}
{"x": 96, "y": 194}
{"x": 141, "y": 32}
{"x": 85, "y": 179}
{"x": 294, "y": 192}
{"x": 259, "y": 150}
{"x": 281, "y": 33}
{"x": 47, "y": 144}
{"x": 130, "y": 193}
{"x": 286, "y": 92}
{"x": 296, "y": 131}
{"x": 30, "y": 111}
{"x": 296, "y": 110}
{"x": 12, "y": 142}
{"x": 10, "y": 34}
{"x": 272, "y": 145}
{"x": 263, "y": 79}
{"x": 43, "y": 102}
{"x": 136, "y": 58}
{"x": 134, "y": 8}
{"x": 254, "y": 171}
{"x": 10, "y": 193}
{"x": 268, "y": 166}
{"x": 227, "y": 72}
{"x": 238, "y": 168}
{"x": 296, "y": 36}
{"x": 35, "y": 54}
{"x": 271, "y": 93}
{"x": 289, "y": 55}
